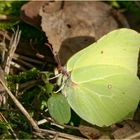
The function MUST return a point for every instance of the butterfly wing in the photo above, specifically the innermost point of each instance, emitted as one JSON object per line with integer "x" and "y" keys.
{"x": 104, "y": 100}
{"x": 119, "y": 47}
{"x": 103, "y": 87}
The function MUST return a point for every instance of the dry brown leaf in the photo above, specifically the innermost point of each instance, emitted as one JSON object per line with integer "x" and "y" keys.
{"x": 70, "y": 25}
{"x": 73, "y": 25}
{"x": 89, "y": 132}
{"x": 30, "y": 13}
{"x": 129, "y": 128}
{"x": 134, "y": 125}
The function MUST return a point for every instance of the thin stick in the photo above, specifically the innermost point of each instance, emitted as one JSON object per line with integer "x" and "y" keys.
{"x": 14, "y": 64}
{"x": 23, "y": 62}
{"x": 3, "y": 48}
{"x": 28, "y": 84}
{"x": 40, "y": 122}
{"x": 134, "y": 136}
{"x": 62, "y": 135}
{"x": 4, "y": 33}
{"x": 27, "y": 58}
{"x": 19, "y": 105}
{"x": 11, "y": 50}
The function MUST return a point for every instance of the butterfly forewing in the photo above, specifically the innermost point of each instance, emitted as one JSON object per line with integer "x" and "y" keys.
{"x": 119, "y": 47}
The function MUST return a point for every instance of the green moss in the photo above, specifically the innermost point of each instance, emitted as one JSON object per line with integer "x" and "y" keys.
{"x": 11, "y": 7}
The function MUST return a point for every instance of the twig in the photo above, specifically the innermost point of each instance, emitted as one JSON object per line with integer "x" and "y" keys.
{"x": 62, "y": 135}
{"x": 2, "y": 97}
{"x": 28, "y": 84}
{"x": 27, "y": 59}
{"x": 57, "y": 125}
{"x": 51, "y": 121}
{"x": 11, "y": 50}
{"x": 3, "y": 48}
{"x": 40, "y": 122}
{"x": 19, "y": 105}
{"x": 59, "y": 134}
{"x": 23, "y": 62}
{"x": 4, "y": 33}
{"x": 14, "y": 64}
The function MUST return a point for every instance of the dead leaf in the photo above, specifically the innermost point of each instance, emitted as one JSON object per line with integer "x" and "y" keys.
{"x": 129, "y": 128}
{"x": 134, "y": 125}
{"x": 89, "y": 131}
{"x": 30, "y": 13}
{"x": 73, "y": 25}
{"x": 70, "y": 25}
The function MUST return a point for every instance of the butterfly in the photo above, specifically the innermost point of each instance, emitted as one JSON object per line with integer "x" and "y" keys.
{"x": 102, "y": 86}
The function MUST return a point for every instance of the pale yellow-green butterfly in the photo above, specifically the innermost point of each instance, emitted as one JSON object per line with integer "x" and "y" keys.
{"x": 103, "y": 87}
